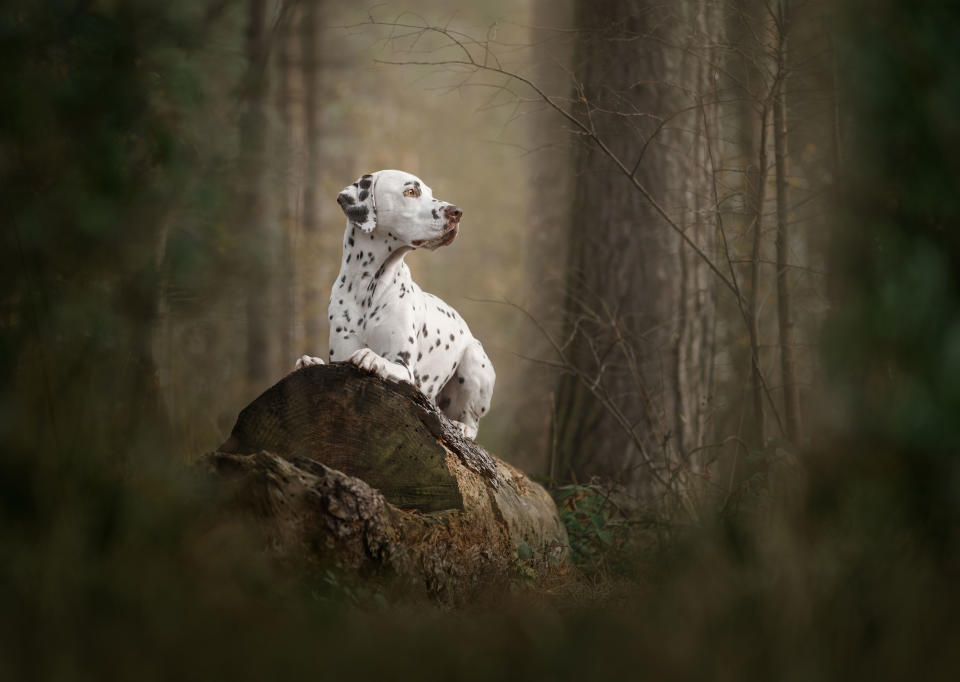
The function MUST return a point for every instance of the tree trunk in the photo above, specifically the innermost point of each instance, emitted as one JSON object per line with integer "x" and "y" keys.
{"x": 749, "y": 65}
{"x": 757, "y": 184}
{"x": 350, "y": 470}
{"x": 312, "y": 311}
{"x": 253, "y": 216}
{"x": 788, "y": 365}
{"x": 640, "y": 308}
{"x": 286, "y": 267}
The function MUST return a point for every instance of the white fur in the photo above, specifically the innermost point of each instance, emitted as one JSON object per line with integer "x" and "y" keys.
{"x": 382, "y": 321}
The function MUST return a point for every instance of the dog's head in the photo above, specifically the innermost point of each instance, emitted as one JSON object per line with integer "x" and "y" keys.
{"x": 400, "y": 203}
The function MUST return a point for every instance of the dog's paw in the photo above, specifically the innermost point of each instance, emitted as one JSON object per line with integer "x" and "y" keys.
{"x": 468, "y": 432}
{"x": 366, "y": 359}
{"x": 307, "y": 361}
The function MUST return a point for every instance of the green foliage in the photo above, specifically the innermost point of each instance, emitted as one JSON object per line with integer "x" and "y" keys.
{"x": 893, "y": 349}
{"x": 104, "y": 140}
{"x": 585, "y": 511}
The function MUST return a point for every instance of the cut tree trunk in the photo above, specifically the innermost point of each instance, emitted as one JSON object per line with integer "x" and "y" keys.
{"x": 345, "y": 469}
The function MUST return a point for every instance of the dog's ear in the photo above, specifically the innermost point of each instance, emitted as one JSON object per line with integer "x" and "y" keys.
{"x": 358, "y": 203}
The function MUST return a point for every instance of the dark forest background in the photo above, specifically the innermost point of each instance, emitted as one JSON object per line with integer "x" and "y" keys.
{"x": 710, "y": 245}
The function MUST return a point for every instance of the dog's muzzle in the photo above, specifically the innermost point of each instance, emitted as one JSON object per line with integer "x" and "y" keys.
{"x": 452, "y": 214}
{"x": 451, "y": 228}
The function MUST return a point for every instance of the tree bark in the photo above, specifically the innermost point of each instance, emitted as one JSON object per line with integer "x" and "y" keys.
{"x": 347, "y": 469}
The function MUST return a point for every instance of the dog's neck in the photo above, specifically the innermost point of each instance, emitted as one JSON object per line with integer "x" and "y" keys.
{"x": 372, "y": 263}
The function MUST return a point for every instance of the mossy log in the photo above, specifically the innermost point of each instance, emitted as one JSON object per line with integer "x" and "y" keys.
{"x": 347, "y": 469}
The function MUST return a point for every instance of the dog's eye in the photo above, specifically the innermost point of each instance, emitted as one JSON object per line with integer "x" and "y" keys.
{"x": 411, "y": 192}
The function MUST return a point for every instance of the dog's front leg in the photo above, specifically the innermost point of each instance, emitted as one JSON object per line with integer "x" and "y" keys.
{"x": 366, "y": 359}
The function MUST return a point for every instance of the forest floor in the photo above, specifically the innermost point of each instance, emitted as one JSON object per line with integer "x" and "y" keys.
{"x": 139, "y": 577}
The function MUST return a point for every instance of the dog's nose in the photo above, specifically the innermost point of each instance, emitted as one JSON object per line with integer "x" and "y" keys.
{"x": 452, "y": 212}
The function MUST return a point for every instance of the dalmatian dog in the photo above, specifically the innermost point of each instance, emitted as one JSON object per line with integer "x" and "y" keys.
{"x": 381, "y": 320}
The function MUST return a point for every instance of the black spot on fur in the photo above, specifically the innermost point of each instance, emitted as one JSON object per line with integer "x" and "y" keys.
{"x": 444, "y": 402}
{"x": 364, "y": 184}
{"x": 363, "y": 195}
{"x": 460, "y": 379}
{"x": 357, "y": 214}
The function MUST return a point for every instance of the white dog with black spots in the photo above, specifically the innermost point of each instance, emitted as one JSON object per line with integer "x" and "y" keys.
{"x": 381, "y": 320}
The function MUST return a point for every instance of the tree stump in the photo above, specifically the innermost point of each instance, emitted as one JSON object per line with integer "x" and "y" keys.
{"x": 347, "y": 469}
